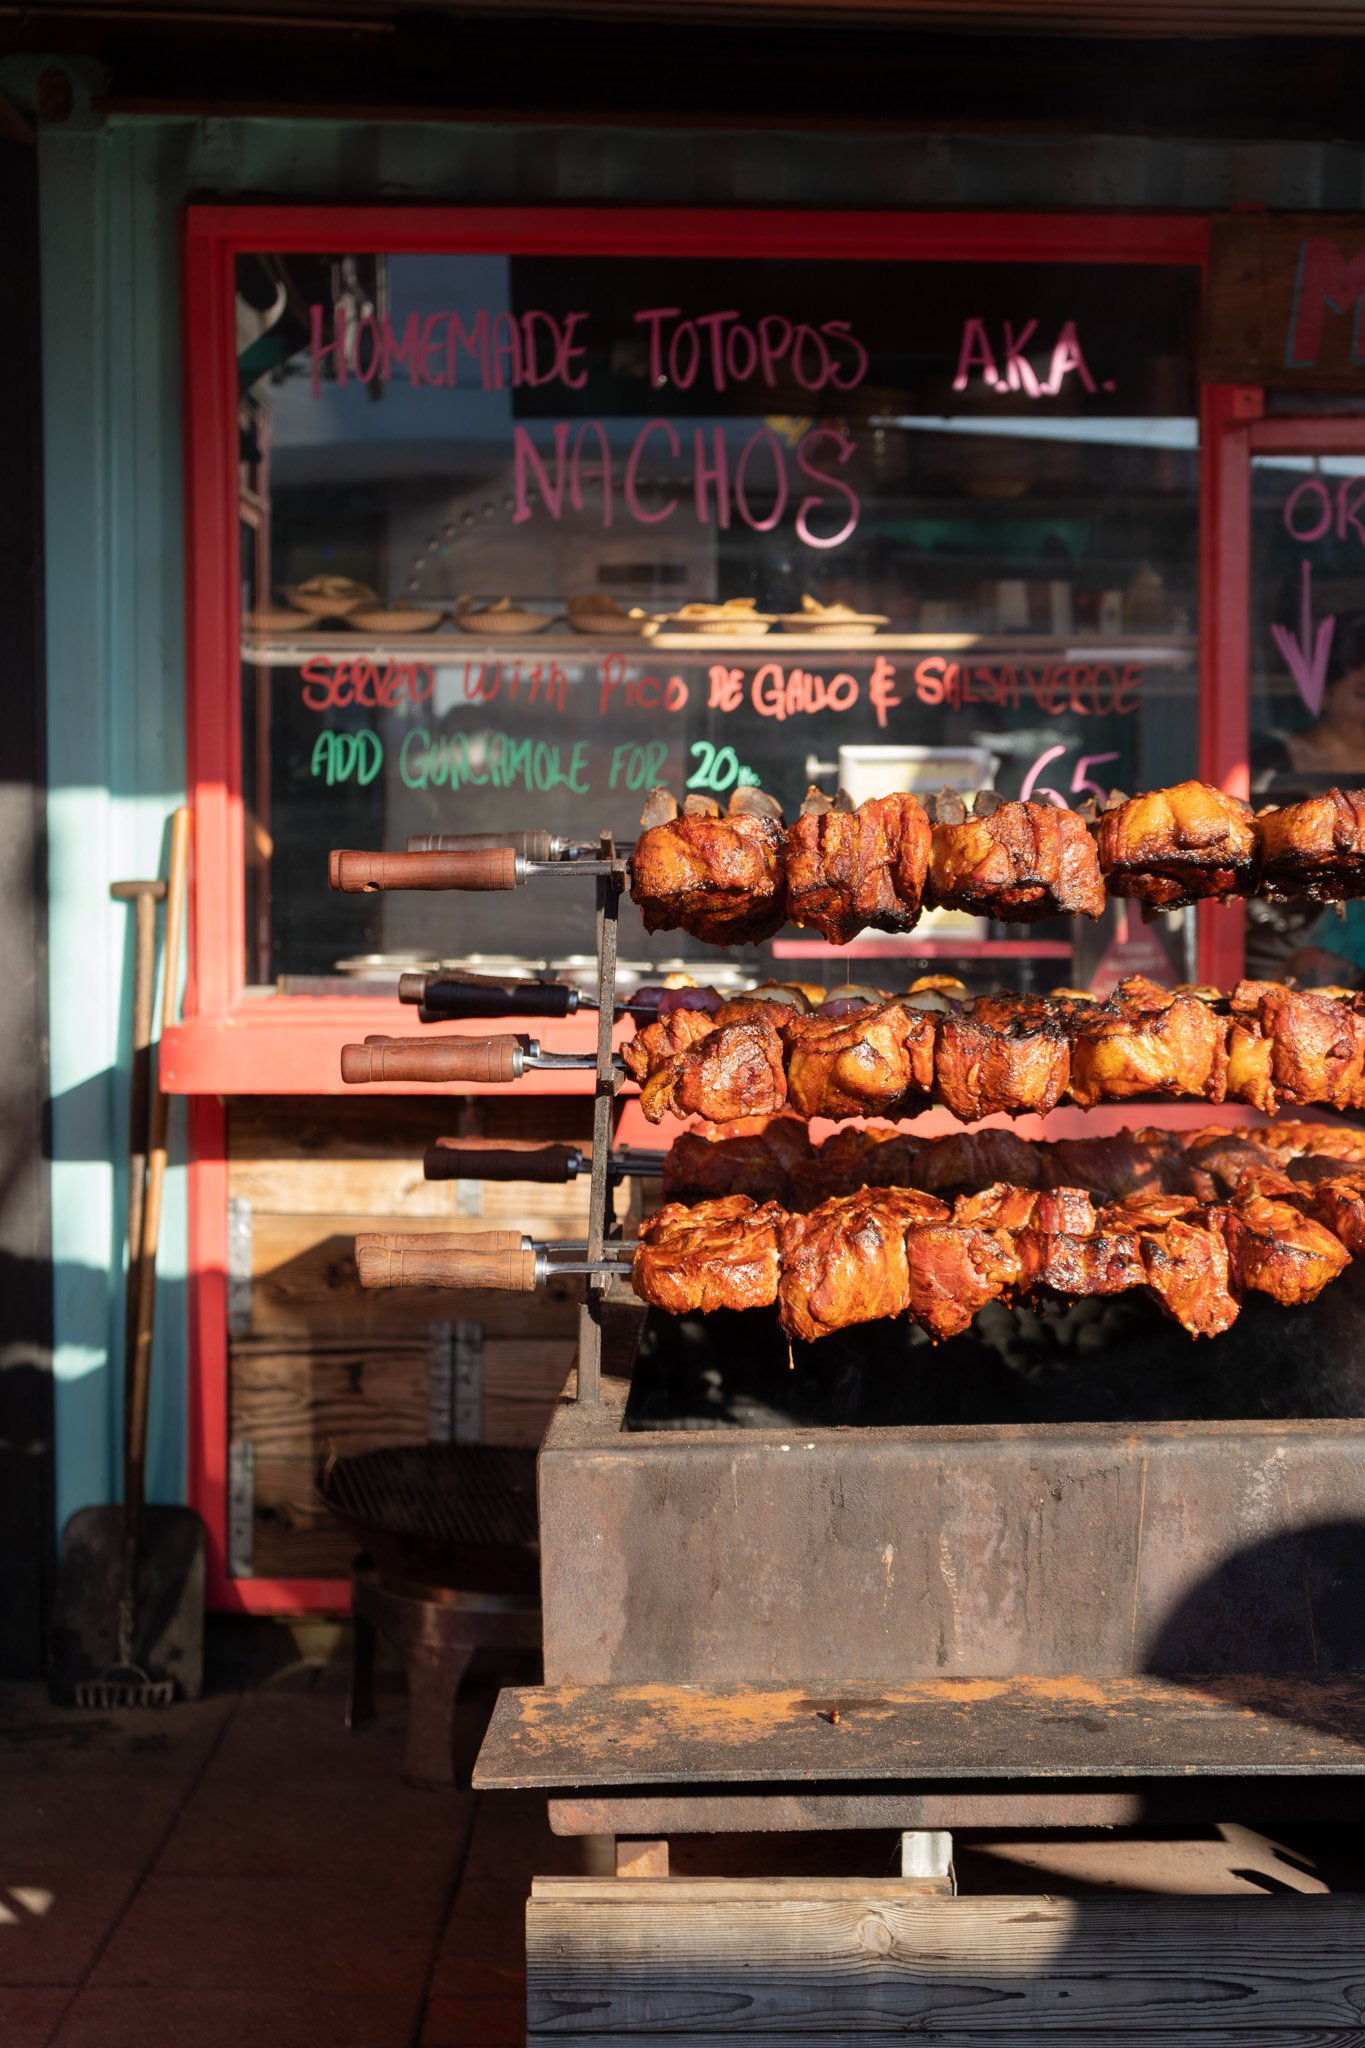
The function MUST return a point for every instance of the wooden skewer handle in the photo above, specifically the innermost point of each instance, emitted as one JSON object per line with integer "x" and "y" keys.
{"x": 484, "y": 867}
{"x": 530, "y": 1159}
{"x": 530, "y": 845}
{"x": 488, "y": 1258}
{"x": 489, "y": 1060}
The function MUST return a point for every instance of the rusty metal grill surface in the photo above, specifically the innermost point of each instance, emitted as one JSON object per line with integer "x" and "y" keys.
{"x": 465, "y": 1513}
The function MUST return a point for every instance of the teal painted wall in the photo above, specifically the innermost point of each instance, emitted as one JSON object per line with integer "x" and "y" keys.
{"x": 110, "y": 194}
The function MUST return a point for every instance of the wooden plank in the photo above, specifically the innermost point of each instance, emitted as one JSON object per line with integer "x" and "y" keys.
{"x": 364, "y": 1157}
{"x": 846, "y": 2035}
{"x": 293, "y": 1534}
{"x": 374, "y": 1127}
{"x": 523, "y": 1378}
{"x": 305, "y": 1286}
{"x": 658, "y": 1890}
{"x": 291, "y": 1400}
{"x": 572, "y": 1737}
{"x": 787, "y": 1965}
{"x": 355, "y": 1397}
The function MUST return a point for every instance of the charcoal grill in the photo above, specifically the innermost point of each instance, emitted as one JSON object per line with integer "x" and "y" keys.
{"x": 1011, "y": 1618}
{"x": 459, "y": 1515}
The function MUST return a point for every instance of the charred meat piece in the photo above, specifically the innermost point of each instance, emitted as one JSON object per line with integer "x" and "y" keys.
{"x": 966, "y": 1160}
{"x": 1315, "y": 848}
{"x": 719, "y": 1255}
{"x": 1289, "y": 1140}
{"x": 845, "y": 1262}
{"x": 736, "y": 1070}
{"x": 753, "y": 1157}
{"x": 1004, "y": 1054}
{"x": 1178, "y": 846}
{"x": 955, "y": 1269}
{"x": 876, "y": 1157}
{"x": 1049, "y": 1210}
{"x": 1294, "y": 1045}
{"x": 721, "y": 879}
{"x": 1274, "y": 1249}
{"x": 1218, "y": 1160}
{"x": 872, "y": 1062}
{"x": 1339, "y": 1205}
{"x": 1019, "y": 862}
{"x": 1145, "y": 1162}
{"x": 1078, "y": 1264}
{"x": 850, "y": 869}
{"x": 662, "y": 1037}
{"x": 1148, "y": 1041}
{"x": 1184, "y": 1258}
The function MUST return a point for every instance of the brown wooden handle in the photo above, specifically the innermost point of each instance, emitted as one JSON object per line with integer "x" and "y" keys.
{"x": 484, "y": 867}
{"x": 489, "y": 1060}
{"x": 531, "y": 1159}
{"x": 530, "y": 845}
{"x": 440, "y": 1258}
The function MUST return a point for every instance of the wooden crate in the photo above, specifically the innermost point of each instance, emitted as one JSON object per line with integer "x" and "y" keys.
{"x": 315, "y": 1362}
{"x": 625, "y": 1961}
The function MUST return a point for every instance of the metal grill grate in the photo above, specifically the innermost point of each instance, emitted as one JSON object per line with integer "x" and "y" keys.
{"x": 464, "y": 1496}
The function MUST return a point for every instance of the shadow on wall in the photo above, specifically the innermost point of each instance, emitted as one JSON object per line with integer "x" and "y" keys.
{"x": 1297, "y": 1597}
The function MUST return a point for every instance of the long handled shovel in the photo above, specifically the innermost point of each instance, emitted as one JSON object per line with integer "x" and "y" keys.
{"x": 128, "y": 1629}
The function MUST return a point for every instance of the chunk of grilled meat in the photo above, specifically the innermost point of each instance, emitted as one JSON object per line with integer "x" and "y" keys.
{"x": 1075, "y": 1264}
{"x": 662, "y": 1037}
{"x": 966, "y": 1160}
{"x": 1178, "y": 846}
{"x": 721, "y": 879}
{"x": 878, "y": 1156}
{"x": 721, "y": 1254}
{"x": 1291, "y": 1140}
{"x": 1339, "y": 1205}
{"x": 1020, "y": 862}
{"x": 1294, "y": 1045}
{"x": 850, "y": 869}
{"x": 755, "y": 1156}
{"x": 1218, "y": 1159}
{"x": 1143, "y": 1162}
{"x": 737, "y": 1070}
{"x": 1315, "y": 848}
{"x": 1148, "y": 1041}
{"x": 954, "y": 1270}
{"x": 1050, "y": 1211}
{"x": 1275, "y": 1249}
{"x": 845, "y": 1262}
{"x": 877, "y": 1061}
{"x": 1184, "y": 1258}
{"x": 1004, "y": 1054}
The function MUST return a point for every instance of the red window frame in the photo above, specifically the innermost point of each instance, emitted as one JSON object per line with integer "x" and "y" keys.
{"x": 229, "y": 1043}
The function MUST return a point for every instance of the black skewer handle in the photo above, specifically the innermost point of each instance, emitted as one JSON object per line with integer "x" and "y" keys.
{"x": 529, "y": 1159}
{"x": 485, "y": 995}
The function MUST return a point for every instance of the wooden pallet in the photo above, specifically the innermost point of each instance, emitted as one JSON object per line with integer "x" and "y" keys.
{"x": 782, "y": 1962}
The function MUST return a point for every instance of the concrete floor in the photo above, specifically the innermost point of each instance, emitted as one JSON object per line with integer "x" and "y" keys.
{"x": 242, "y": 1873}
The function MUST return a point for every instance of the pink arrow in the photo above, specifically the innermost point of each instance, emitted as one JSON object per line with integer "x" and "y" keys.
{"x": 1306, "y": 658}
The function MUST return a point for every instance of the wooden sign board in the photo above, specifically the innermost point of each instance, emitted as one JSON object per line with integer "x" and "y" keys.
{"x": 1286, "y": 301}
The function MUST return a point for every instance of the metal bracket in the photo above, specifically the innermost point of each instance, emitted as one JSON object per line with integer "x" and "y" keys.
{"x": 467, "y": 1396}
{"x": 241, "y": 1530}
{"x": 238, "y": 1266}
{"x": 440, "y": 1383}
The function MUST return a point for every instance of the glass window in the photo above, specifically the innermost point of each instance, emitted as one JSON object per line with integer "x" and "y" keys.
{"x": 1307, "y": 670}
{"x": 952, "y": 506}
